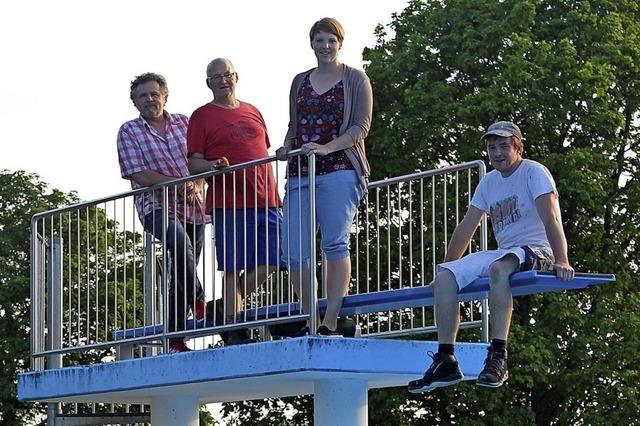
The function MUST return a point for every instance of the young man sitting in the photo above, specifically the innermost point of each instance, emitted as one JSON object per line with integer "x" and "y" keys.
{"x": 521, "y": 199}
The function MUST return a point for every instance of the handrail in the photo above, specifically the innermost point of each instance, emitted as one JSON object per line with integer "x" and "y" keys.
{"x": 428, "y": 173}
{"x": 159, "y": 186}
{"x": 100, "y": 260}
{"x": 239, "y": 166}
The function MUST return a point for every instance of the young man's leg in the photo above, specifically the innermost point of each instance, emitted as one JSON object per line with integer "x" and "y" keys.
{"x": 495, "y": 371}
{"x": 444, "y": 369}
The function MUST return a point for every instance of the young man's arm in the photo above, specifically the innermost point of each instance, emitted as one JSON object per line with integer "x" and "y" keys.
{"x": 463, "y": 233}
{"x": 546, "y": 205}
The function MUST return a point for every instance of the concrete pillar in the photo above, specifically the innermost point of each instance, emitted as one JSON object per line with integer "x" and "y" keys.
{"x": 175, "y": 410}
{"x": 340, "y": 402}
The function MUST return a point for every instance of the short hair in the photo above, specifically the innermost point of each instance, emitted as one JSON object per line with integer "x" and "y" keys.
{"x": 517, "y": 142}
{"x": 215, "y": 61}
{"x": 147, "y": 77}
{"x": 328, "y": 25}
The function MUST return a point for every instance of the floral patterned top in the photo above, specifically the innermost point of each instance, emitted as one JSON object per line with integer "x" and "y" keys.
{"x": 318, "y": 120}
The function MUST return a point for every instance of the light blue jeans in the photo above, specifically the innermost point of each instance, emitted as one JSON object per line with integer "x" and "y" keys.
{"x": 337, "y": 197}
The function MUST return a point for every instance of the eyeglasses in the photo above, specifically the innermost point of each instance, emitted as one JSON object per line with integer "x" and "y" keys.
{"x": 225, "y": 76}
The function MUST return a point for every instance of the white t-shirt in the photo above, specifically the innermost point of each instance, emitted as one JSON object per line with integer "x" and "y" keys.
{"x": 510, "y": 203}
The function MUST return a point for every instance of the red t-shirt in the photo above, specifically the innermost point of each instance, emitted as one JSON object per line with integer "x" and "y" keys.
{"x": 240, "y": 135}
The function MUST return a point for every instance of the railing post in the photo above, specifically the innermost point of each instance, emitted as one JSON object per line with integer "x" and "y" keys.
{"x": 152, "y": 307}
{"x": 313, "y": 296}
{"x": 484, "y": 328}
{"x": 165, "y": 287}
{"x": 36, "y": 291}
{"x": 54, "y": 316}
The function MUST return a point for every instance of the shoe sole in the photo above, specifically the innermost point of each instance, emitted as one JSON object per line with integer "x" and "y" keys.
{"x": 435, "y": 385}
{"x": 492, "y": 385}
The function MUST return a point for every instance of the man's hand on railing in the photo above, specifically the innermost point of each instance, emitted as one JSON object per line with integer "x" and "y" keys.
{"x": 191, "y": 191}
{"x": 281, "y": 153}
{"x": 188, "y": 191}
{"x": 220, "y": 163}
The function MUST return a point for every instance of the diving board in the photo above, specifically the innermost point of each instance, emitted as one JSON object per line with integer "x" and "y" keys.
{"x": 522, "y": 283}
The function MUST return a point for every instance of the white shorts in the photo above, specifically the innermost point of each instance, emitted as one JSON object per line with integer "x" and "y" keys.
{"x": 476, "y": 265}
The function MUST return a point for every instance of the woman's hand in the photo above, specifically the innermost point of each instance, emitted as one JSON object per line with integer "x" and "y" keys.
{"x": 315, "y": 148}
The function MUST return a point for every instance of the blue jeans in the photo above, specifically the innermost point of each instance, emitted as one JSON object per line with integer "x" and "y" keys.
{"x": 338, "y": 195}
{"x": 183, "y": 257}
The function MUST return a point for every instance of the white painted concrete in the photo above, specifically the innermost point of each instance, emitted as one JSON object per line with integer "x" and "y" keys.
{"x": 338, "y": 371}
{"x": 175, "y": 410}
{"x": 340, "y": 402}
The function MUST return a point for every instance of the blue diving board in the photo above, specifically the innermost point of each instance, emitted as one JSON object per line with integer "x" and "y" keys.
{"x": 522, "y": 283}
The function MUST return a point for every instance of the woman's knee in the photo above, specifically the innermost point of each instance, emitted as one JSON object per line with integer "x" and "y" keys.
{"x": 336, "y": 251}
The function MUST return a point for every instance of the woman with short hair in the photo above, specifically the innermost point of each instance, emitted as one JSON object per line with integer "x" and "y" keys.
{"x": 330, "y": 114}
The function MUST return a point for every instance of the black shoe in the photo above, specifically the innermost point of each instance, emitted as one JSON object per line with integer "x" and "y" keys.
{"x": 444, "y": 371}
{"x": 347, "y": 327}
{"x": 304, "y": 331}
{"x": 495, "y": 372}
{"x": 236, "y": 337}
{"x": 325, "y": 331}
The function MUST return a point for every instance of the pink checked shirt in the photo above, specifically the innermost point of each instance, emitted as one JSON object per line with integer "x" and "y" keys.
{"x": 141, "y": 148}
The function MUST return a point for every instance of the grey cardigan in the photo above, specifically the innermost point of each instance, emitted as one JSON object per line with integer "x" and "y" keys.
{"x": 358, "y": 108}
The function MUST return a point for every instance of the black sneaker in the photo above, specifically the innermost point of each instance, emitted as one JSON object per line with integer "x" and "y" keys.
{"x": 444, "y": 371}
{"x": 236, "y": 337}
{"x": 325, "y": 331}
{"x": 304, "y": 331}
{"x": 495, "y": 372}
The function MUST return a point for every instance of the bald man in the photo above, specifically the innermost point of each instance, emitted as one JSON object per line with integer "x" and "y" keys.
{"x": 245, "y": 204}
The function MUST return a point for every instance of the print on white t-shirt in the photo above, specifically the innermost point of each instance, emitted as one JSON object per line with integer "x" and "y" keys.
{"x": 510, "y": 204}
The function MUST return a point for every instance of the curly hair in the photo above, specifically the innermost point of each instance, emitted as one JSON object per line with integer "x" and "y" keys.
{"x": 147, "y": 77}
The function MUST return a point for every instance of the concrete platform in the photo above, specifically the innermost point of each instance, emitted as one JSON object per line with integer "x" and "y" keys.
{"x": 255, "y": 371}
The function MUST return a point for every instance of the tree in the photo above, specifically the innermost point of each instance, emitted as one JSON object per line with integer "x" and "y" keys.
{"x": 21, "y": 196}
{"x": 566, "y": 71}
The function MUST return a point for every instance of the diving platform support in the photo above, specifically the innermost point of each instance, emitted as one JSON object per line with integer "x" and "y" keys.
{"x": 337, "y": 371}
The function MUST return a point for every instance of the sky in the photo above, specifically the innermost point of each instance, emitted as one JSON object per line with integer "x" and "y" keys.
{"x": 67, "y": 66}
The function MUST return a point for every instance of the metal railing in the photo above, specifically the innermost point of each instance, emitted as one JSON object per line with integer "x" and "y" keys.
{"x": 401, "y": 234}
{"x": 100, "y": 280}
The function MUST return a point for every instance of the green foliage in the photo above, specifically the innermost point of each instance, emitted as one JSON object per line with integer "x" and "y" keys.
{"x": 567, "y": 72}
{"x": 21, "y": 196}
{"x": 292, "y": 411}
{"x": 92, "y": 309}
{"x": 205, "y": 418}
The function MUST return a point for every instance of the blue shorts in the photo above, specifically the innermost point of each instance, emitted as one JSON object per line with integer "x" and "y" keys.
{"x": 338, "y": 195}
{"x": 260, "y": 238}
